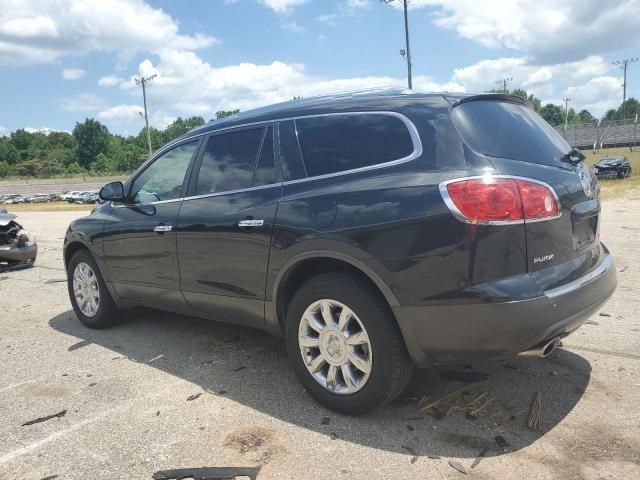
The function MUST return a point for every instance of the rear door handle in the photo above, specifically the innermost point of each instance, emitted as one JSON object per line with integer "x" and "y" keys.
{"x": 251, "y": 223}
{"x": 162, "y": 228}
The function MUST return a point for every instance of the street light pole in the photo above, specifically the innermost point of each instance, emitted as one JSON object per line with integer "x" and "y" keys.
{"x": 143, "y": 81}
{"x": 623, "y": 65}
{"x": 566, "y": 112}
{"x": 407, "y": 50}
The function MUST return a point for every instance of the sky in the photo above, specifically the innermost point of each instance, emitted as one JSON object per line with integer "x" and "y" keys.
{"x": 62, "y": 61}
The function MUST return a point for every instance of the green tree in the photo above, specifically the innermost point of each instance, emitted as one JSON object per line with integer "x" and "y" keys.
{"x": 92, "y": 138}
{"x": 4, "y": 168}
{"x": 225, "y": 113}
{"x": 21, "y": 139}
{"x": 180, "y": 127}
{"x": 553, "y": 114}
{"x": 585, "y": 116}
{"x": 8, "y": 152}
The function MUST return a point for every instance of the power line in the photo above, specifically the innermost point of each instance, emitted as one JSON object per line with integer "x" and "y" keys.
{"x": 623, "y": 65}
{"x": 405, "y": 53}
{"x": 504, "y": 82}
{"x": 143, "y": 81}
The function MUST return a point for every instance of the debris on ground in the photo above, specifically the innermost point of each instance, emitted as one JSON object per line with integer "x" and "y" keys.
{"x": 458, "y": 466}
{"x": 78, "y": 345}
{"x": 49, "y": 477}
{"x": 449, "y": 396}
{"x": 501, "y": 442}
{"x": 509, "y": 366}
{"x": 592, "y": 322}
{"x": 535, "y": 413}
{"x": 434, "y": 457}
{"x": 61, "y": 413}
{"x": 325, "y": 421}
{"x": 412, "y": 452}
{"x": 603, "y": 314}
{"x": 479, "y": 458}
{"x": 240, "y": 368}
{"x": 410, "y": 428}
{"x": 208, "y": 473}
{"x": 194, "y": 396}
{"x": 56, "y": 280}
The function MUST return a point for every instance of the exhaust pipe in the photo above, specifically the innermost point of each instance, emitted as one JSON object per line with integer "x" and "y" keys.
{"x": 542, "y": 349}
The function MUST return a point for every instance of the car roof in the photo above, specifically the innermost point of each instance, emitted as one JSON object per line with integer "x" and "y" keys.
{"x": 374, "y": 99}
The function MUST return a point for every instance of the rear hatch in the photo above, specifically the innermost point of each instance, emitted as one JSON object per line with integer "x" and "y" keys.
{"x": 518, "y": 142}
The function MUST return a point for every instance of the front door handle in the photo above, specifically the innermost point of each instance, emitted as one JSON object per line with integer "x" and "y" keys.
{"x": 251, "y": 223}
{"x": 162, "y": 228}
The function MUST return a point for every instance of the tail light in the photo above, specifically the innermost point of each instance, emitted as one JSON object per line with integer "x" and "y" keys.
{"x": 500, "y": 200}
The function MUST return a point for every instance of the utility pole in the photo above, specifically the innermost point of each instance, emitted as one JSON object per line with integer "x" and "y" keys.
{"x": 504, "y": 82}
{"x": 143, "y": 81}
{"x": 623, "y": 65}
{"x": 566, "y": 112}
{"x": 406, "y": 52}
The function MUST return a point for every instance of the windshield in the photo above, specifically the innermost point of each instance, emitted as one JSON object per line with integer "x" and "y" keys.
{"x": 508, "y": 130}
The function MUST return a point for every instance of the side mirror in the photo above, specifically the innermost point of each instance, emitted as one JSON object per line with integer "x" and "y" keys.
{"x": 112, "y": 192}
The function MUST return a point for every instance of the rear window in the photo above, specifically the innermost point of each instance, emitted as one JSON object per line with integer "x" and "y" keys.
{"x": 508, "y": 130}
{"x": 335, "y": 143}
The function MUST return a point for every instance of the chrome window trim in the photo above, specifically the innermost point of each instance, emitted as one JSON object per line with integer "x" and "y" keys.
{"x": 413, "y": 133}
{"x": 460, "y": 216}
{"x": 594, "y": 274}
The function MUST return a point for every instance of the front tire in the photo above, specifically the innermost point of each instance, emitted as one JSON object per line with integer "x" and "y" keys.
{"x": 345, "y": 345}
{"x": 88, "y": 293}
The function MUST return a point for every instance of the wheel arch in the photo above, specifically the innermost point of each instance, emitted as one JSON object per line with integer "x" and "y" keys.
{"x": 305, "y": 266}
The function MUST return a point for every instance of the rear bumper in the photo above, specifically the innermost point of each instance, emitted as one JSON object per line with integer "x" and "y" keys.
{"x": 452, "y": 333}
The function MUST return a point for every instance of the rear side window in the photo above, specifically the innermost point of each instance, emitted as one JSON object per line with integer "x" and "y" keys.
{"x": 228, "y": 161}
{"x": 266, "y": 167}
{"x": 508, "y": 130}
{"x": 335, "y": 143}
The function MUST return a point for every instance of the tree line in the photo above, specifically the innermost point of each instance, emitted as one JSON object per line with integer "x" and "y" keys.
{"x": 554, "y": 115}
{"x": 89, "y": 149}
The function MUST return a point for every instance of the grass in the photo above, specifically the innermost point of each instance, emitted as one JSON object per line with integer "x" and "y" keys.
{"x": 48, "y": 207}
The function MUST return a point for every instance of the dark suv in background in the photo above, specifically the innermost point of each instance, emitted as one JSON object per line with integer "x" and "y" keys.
{"x": 373, "y": 231}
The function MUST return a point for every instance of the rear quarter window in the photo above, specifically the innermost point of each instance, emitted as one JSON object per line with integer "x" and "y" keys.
{"x": 508, "y": 130}
{"x": 337, "y": 143}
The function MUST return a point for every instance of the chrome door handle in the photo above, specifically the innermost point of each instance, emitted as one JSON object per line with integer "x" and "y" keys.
{"x": 162, "y": 228}
{"x": 251, "y": 223}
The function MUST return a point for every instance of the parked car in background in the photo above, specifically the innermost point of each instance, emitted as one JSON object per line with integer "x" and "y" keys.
{"x": 87, "y": 197}
{"x": 13, "y": 198}
{"x": 374, "y": 232}
{"x": 39, "y": 198}
{"x": 68, "y": 195}
{"x": 75, "y": 196}
{"x": 613, "y": 167}
{"x": 17, "y": 247}
{"x": 6, "y": 196}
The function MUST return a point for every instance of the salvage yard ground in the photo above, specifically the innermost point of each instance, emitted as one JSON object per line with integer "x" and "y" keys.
{"x": 163, "y": 391}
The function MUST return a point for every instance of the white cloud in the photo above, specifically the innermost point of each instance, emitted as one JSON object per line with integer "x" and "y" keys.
{"x": 121, "y": 113}
{"x": 292, "y": 27}
{"x": 358, "y": 3}
{"x": 328, "y": 18}
{"x": 76, "y": 28}
{"x": 3, "y": 131}
{"x": 83, "y": 102}
{"x": 549, "y": 30}
{"x": 283, "y": 6}
{"x": 109, "y": 81}
{"x": 72, "y": 73}
{"x": 594, "y": 88}
{"x": 45, "y": 130}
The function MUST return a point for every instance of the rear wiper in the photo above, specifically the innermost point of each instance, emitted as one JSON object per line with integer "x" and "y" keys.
{"x": 573, "y": 156}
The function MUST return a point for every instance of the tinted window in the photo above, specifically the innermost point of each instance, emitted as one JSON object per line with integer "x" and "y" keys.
{"x": 290, "y": 158}
{"x": 228, "y": 161}
{"x": 336, "y": 143}
{"x": 508, "y": 130}
{"x": 163, "y": 179}
{"x": 266, "y": 166}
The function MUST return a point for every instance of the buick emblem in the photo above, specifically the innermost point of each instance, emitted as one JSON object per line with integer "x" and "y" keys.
{"x": 585, "y": 179}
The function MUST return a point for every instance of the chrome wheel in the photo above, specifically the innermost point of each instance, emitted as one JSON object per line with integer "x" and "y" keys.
{"x": 335, "y": 346}
{"x": 86, "y": 290}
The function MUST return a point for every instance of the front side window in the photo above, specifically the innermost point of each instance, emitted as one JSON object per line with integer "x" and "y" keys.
{"x": 163, "y": 179}
{"x": 229, "y": 161}
{"x": 336, "y": 143}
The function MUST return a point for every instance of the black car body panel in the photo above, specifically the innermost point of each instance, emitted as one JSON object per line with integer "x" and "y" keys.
{"x": 458, "y": 290}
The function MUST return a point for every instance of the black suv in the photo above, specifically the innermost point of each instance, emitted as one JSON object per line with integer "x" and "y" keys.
{"x": 373, "y": 231}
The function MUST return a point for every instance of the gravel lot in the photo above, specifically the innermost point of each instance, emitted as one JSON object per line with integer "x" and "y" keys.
{"x": 162, "y": 391}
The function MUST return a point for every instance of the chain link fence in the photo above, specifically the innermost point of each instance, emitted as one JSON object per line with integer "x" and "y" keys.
{"x": 603, "y": 134}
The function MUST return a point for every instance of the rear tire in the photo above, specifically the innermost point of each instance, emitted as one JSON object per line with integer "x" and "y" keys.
{"x": 368, "y": 317}
{"x": 88, "y": 293}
